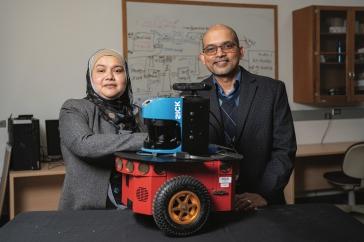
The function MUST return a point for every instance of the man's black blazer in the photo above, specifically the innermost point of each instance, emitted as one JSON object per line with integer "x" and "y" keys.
{"x": 265, "y": 134}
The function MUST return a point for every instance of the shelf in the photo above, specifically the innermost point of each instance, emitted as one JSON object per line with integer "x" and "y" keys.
{"x": 333, "y": 34}
{"x": 359, "y": 92}
{"x": 332, "y": 63}
{"x": 48, "y": 169}
{"x": 332, "y": 53}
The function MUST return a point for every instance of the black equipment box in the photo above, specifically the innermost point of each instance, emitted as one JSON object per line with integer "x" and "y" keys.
{"x": 25, "y": 140}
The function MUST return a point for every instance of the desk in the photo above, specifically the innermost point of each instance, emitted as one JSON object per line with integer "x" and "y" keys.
{"x": 40, "y": 189}
{"x": 323, "y": 149}
{"x": 35, "y": 190}
{"x": 304, "y": 222}
{"x": 312, "y": 160}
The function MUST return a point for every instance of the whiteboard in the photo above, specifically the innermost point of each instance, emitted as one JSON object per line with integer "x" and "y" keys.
{"x": 162, "y": 41}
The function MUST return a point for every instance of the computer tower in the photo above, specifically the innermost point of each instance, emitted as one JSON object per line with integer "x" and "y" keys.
{"x": 53, "y": 139}
{"x": 25, "y": 140}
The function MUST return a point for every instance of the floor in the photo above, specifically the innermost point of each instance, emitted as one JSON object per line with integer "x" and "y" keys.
{"x": 3, "y": 220}
{"x": 340, "y": 201}
{"x": 359, "y": 216}
{"x": 357, "y": 211}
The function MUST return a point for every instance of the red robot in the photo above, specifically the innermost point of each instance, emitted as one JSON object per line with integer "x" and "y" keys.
{"x": 179, "y": 194}
{"x": 177, "y": 177}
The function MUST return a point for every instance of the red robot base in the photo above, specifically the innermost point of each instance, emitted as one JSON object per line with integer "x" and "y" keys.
{"x": 178, "y": 193}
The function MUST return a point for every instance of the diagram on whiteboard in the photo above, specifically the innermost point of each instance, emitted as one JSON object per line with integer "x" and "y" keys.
{"x": 164, "y": 50}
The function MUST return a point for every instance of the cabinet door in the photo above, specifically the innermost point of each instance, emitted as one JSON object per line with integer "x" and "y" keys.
{"x": 357, "y": 73}
{"x": 331, "y": 55}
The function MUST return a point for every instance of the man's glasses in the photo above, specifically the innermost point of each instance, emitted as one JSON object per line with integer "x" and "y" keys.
{"x": 227, "y": 47}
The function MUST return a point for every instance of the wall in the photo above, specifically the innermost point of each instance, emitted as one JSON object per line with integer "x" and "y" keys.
{"x": 45, "y": 45}
{"x": 44, "y": 50}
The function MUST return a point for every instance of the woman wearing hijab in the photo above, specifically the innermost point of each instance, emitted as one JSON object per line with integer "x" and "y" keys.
{"x": 92, "y": 129}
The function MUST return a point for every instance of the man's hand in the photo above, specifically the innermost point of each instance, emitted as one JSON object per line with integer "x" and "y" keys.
{"x": 249, "y": 201}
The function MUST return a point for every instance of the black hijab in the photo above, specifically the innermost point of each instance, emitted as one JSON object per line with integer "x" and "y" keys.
{"x": 118, "y": 111}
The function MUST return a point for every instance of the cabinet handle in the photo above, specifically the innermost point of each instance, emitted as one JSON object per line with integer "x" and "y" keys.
{"x": 351, "y": 75}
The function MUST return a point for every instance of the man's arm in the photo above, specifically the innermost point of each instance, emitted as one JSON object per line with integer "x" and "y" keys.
{"x": 279, "y": 168}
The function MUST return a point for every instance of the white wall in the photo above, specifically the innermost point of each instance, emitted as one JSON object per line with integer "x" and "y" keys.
{"x": 45, "y": 45}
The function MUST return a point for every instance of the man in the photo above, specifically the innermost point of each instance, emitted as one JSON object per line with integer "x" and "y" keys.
{"x": 251, "y": 114}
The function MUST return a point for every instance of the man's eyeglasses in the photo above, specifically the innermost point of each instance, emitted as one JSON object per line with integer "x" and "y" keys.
{"x": 227, "y": 47}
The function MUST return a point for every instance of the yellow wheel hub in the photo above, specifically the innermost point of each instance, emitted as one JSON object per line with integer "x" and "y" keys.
{"x": 184, "y": 207}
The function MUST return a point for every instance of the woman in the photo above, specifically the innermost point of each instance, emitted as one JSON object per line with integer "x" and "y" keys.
{"x": 95, "y": 127}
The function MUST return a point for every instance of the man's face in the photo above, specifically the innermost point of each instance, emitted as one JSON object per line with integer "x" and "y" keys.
{"x": 223, "y": 63}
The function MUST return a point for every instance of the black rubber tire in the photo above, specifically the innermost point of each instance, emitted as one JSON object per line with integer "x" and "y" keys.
{"x": 165, "y": 194}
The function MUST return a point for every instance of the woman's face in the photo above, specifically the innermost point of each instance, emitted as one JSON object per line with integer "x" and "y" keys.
{"x": 108, "y": 77}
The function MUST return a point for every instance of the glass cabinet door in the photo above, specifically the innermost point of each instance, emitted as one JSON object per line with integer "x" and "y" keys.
{"x": 333, "y": 57}
{"x": 358, "y": 73}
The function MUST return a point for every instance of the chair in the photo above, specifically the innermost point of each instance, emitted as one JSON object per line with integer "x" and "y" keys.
{"x": 351, "y": 177}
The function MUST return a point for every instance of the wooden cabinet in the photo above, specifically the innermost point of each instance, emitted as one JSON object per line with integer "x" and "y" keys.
{"x": 36, "y": 190}
{"x": 328, "y": 55}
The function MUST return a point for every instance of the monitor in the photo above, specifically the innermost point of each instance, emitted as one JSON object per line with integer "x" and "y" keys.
{"x": 53, "y": 139}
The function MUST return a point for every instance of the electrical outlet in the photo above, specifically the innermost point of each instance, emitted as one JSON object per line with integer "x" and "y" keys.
{"x": 2, "y": 123}
{"x": 335, "y": 111}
